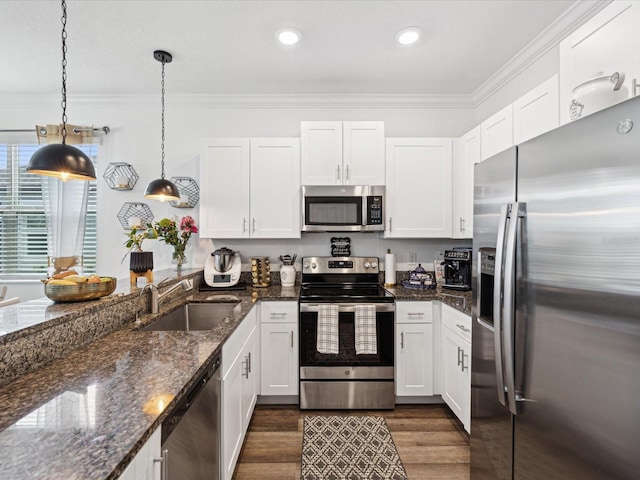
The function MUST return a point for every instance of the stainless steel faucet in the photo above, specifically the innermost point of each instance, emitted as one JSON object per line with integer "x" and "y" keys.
{"x": 156, "y": 296}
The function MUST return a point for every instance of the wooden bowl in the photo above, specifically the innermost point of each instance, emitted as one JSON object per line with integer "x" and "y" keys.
{"x": 81, "y": 291}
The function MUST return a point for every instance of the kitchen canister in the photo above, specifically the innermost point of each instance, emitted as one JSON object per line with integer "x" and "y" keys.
{"x": 288, "y": 275}
{"x": 389, "y": 269}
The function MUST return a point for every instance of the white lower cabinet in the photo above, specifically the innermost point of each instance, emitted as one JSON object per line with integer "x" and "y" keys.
{"x": 279, "y": 348}
{"x": 414, "y": 349}
{"x": 240, "y": 383}
{"x": 456, "y": 363}
{"x": 145, "y": 465}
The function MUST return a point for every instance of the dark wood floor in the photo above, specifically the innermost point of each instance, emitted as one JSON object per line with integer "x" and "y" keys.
{"x": 431, "y": 443}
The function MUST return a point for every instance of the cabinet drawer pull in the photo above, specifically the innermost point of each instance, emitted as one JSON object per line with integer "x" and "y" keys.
{"x": 413, "y": 314}
{"x": 462, "y": 327}
{"x": 464, "y": 367}
{"x": 278, "y": 314}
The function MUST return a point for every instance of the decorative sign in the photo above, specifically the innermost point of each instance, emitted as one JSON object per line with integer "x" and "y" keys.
{"x": 340, "y": 246}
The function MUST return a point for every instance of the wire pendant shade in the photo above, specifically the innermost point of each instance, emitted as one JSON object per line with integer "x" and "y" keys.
{"x": 161, "y": 188}
{"x": 59, "y": 159}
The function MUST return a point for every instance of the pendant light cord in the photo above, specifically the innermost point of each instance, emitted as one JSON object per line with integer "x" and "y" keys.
{"x": 162, "y": 145}
{"x": 64, "y": 72}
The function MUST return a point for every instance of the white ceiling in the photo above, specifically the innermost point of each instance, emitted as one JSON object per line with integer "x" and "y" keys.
{"x": 229, "y": 47}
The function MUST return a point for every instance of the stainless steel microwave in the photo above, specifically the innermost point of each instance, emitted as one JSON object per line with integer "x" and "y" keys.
{"x": 342, "y": 208}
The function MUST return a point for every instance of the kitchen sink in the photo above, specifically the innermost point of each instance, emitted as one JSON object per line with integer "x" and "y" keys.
{"x": 193, "y": 316}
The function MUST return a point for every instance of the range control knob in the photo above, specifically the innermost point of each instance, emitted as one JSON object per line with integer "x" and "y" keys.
{"x": 313, "y": 265}
{"x": 374, "y": 264}
{"x": 367, "y": 264}
{"x": 306, "y": 265}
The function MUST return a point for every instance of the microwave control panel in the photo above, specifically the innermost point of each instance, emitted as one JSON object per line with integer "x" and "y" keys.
{"x": 374, "y": 210}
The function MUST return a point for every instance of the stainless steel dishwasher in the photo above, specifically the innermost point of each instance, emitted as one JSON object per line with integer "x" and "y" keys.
{"x": 191, "y": 434}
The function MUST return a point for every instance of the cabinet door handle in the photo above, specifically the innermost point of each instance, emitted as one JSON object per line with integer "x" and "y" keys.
{"x": 338, "y": 173}
{"x": 244, "y": 225}
{"x": 462, "y": 327}
{"x": 245, "y": 364}
{"x": 164, "y": 465}
{"x": 390, "y": 224}
{"x": 459, "y": 356}
{"x": 464, "y": 367}
{"x": 346, "y": 176}
{"x": 401, "y": 339}
{"x": 291, "y": 338}
{"x": 254, "y": 225}
{"x": 461, "y": 224}
{"x": 249, "y": 362}
{"x": 635, "y": 87}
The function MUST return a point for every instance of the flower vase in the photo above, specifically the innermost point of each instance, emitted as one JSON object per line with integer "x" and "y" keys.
{"x": 179, "y": 258}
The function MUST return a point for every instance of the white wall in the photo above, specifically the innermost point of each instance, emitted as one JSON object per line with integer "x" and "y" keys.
{"x": 135, "y": 139}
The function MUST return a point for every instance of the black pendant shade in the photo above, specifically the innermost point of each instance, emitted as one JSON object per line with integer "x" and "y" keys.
{"x": 162, "y": 190}
{"x": 62, "y": 161}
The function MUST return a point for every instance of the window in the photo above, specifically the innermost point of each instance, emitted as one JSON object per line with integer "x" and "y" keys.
{"x": 23, "y": 223}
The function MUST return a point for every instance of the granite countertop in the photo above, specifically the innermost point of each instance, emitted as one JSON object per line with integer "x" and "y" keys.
{"x": 83, "y": 416}
{"x": 86, "y": 415}
{"x": 457, "y": 299}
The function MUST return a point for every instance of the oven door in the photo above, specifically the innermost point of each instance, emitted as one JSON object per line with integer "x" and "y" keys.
{"x": 346, "y": 364}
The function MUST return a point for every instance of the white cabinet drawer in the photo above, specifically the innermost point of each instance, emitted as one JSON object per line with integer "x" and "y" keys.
{"x": 414, "y": 312}
{"x": 456, "y": 321}
{"x": 279, "y": 312}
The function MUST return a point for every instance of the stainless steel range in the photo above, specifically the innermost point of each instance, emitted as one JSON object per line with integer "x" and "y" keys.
{"x": 347, "y": 330}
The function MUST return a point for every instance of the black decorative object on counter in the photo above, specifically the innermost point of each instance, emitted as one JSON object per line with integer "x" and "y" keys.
{"x": 340, "y": 247}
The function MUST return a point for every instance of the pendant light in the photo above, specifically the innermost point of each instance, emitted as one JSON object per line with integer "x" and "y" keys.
{"x": 162, "y": 189}
{"x": 59, "y": 159}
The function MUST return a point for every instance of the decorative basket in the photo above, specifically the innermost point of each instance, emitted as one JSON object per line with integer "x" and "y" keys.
{"x": 81, "y": 291}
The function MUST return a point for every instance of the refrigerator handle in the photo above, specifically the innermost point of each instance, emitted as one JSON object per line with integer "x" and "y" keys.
{"x": 518, "y": 210}
{"x": 497, "y": 302}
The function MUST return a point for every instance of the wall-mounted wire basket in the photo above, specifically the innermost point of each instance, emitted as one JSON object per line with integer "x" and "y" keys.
{"x": 189, "y": 192}
{"x": 134, "y": 213}
{"x": 120, "y": 176}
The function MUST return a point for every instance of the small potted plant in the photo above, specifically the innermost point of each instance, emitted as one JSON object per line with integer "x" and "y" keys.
{"x": 168, "y": 231}
{"x": 140, "y": 262}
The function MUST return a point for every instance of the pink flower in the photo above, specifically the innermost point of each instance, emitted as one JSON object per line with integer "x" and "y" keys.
{"x": 188, "y": 225}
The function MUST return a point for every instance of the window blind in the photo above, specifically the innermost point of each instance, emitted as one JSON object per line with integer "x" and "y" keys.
{"x": 23, "y": 222}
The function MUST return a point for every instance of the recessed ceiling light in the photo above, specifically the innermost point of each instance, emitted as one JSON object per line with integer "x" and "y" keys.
{"x": 288, "y": 36}
{"x": 409, "y": 35}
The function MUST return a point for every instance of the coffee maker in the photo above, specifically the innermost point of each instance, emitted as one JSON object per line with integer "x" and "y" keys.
{"x": 457, "y": 269}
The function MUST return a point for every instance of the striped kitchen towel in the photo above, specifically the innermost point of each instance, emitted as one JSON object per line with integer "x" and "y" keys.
{"x": 327, "y": 341}
{"x": 365, "y": 329}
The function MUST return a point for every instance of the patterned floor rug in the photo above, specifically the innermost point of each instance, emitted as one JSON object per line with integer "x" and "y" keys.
{"x": 349, "y": 448}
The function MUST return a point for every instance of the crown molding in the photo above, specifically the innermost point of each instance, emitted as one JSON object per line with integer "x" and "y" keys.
{"x": 563, "y": 26}
{"x": 243, "y": 101}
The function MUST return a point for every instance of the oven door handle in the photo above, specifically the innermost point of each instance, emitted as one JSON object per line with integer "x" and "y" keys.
{"x": 347, "y": 307}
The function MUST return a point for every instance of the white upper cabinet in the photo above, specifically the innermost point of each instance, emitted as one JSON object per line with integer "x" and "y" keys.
{"x": 418, "y": 193}
{"x": 250, "y": 188}
{"x": 224, "y": 188}
{"x": 466, "y": 153}
{"x": 342, "y": 153}
{"x": 609, "y": 42}
{"x": 536, "y": 112}
{"x": 275, "y": 188}
{"x": 497, "y": 132}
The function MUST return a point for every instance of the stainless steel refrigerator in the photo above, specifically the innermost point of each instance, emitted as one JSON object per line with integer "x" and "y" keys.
{"x": 555, "y": 382}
